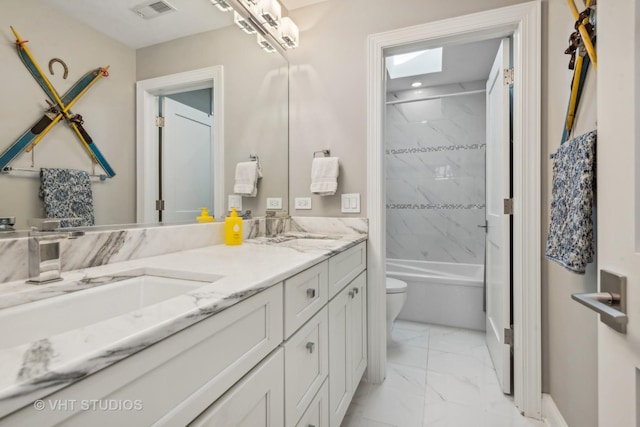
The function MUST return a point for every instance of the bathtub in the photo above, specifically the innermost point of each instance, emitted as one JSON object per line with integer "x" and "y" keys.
{"x": 443, "y": 293}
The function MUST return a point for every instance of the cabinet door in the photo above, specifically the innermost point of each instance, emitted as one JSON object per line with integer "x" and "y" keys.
{"x": 306, "y": 365}
{"x": 358, "y": 295}
{"x": 340, "y": 348}
{"x": 256, "y": 401}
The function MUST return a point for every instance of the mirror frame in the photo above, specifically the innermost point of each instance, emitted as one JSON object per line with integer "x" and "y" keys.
{"x": 147, "y": 152}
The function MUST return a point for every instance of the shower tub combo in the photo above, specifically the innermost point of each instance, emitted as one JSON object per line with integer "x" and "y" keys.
{"x": 442, "y": 293}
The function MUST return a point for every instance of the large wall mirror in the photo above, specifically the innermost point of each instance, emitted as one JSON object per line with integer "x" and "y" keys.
{"x": 252, "y": 97}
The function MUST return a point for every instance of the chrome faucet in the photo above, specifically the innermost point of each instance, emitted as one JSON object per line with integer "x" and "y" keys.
{"x": 44, "y": 249}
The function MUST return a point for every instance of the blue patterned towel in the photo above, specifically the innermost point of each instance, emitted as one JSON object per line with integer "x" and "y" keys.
{"x": 571, "y": 242}
{"x": 67, "y": 194}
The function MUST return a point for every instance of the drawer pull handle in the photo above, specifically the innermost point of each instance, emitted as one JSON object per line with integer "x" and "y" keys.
{"x": 352, "y": 294}
{"x": 311, "y": 346}
{"x": 310, "y": 425}
{"x": 356, "y": 290}
{"x": 311, "y": 293}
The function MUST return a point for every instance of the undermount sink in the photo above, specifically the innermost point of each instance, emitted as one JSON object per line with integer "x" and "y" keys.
{"x": 112, "y": 295}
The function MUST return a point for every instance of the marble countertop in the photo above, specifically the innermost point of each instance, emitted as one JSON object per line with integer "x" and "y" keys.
{"x": 31, "y": 370}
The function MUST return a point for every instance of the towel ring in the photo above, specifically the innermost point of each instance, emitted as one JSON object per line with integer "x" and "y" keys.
{"x": 325, "y": 153}
{"x": 254, "y": 158}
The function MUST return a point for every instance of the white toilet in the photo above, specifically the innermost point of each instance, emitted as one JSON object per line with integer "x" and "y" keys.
{"x": 396, "y": 297}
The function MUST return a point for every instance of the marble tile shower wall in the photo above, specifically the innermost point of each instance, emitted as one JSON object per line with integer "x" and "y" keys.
{"x": 435, "y": 196}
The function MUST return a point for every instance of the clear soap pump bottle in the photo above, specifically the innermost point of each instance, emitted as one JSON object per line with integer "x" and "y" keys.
{"x": 233, "y": 229}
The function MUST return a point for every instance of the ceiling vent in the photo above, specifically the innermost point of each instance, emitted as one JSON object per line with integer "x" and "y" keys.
{"x": 153, "y": 9}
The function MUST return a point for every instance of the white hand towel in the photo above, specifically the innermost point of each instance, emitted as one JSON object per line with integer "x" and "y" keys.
{"x": 324, "y": 176}
{"x": 247, "y": 174}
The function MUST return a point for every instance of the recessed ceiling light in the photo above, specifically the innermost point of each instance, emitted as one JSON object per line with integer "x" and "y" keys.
{"x": 424, "y": 122}
{"x": 416, "y": 84}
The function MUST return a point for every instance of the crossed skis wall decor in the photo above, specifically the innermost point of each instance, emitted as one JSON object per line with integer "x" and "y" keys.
{"x": 59, "y": 107}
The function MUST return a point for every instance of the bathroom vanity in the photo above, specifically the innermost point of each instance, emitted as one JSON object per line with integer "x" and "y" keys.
{"x": 272, "y": 333}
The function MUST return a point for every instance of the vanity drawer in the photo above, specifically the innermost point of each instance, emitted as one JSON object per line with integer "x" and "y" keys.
{"x": 305, "y": 294}
{"x": 345, "y": 267}
{"x": 306, "y": 360}
{"x": 317, "y": 414}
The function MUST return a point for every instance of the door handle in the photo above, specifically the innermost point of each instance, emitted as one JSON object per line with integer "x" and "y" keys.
{"x": 603, "y": 303}
{"x": 610, "y": 303}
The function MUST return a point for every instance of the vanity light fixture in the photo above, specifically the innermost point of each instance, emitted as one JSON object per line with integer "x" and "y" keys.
{"x": 265, "y": 45}
{"x": 416, "y": 84}
{"x": 289, "y": 33}
{"x": 270, "y": 11}
{"x": 222, "y": 5}
{"x": 263, "y": 17}
{"x": 243, "y": 23}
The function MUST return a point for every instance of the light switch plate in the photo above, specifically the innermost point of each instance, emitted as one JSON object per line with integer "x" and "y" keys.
{"x": 303, "y": 203}
{"x": 274, "y": 202}
{"x": 351, "y": 203}
{"x": 235, "y": 201}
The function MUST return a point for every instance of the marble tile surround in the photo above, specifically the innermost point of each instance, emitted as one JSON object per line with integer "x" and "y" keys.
{"x": 105, "y": 246}
{"x": 436, "y": 180}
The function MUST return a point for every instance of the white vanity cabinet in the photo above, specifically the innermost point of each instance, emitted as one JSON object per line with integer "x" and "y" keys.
{"x": 331, "y": 344}
{"x": 347, "y": 346}
{"x": 289, "y": 356}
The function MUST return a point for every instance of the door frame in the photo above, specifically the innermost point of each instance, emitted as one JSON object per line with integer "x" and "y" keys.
{"x": 523, "y": 22}
{"x": 147, "y": 92}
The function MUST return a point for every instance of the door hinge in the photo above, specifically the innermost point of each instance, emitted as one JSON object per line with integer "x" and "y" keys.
{"x": 508, "y": 336}
{"x": 508, "y": 206}
{"x": 160, "y": 121}
{"x": 159, "y": 205}
{"x": 508, "y": 76}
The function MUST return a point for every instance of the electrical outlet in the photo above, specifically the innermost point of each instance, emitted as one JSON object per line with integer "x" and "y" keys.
{"x": 274, "y": 203}
{"x": 235, "y": 201}
{"x": 302, "y": 203}
{"x": 351, "y": 203}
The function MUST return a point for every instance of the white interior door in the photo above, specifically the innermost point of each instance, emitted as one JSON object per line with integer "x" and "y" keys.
{"x": 187, "y": 161}
{"x": 618, "y": 206}
{"x": 498, "y": 242}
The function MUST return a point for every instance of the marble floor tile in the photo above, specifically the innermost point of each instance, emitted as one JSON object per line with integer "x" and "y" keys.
{"x": 436, "y": 376}
{"x": 404, "y": 354}
{"x": 391, "y": 406}
{"x": 353, "y": 421}
{"x": 454, "y": 340}
{"x": 411, "y": 337}
{"x": 448, "y": 414}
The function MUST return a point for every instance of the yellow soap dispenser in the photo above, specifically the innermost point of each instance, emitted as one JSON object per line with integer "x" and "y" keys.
{"x": 233, "y": 229}
{"x": 204, "y": 216}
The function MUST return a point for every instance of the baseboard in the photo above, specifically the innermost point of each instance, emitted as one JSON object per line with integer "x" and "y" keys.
{"x": 550, "y": 412}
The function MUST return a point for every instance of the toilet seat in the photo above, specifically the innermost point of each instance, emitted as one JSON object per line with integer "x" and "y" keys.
{"x": 395, "y": 286}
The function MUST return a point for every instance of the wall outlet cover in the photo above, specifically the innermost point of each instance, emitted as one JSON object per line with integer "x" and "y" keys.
{"x": 351, "y": 203}
{"x": 274, "y": 202}
{"x": 303, "y": 203}
{"x": 235, "y": 201}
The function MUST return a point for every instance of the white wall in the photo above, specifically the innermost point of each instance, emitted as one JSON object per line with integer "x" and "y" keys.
{"x": 328, "y": 110}
{"x": 107, "y": 108}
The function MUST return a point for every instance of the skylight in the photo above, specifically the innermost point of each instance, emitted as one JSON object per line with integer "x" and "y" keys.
{"x": 415, "y": 63}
